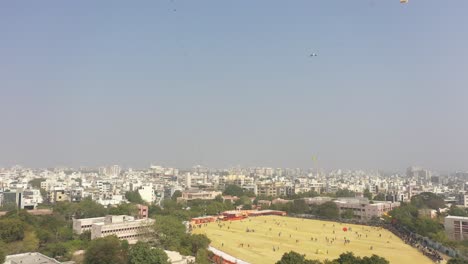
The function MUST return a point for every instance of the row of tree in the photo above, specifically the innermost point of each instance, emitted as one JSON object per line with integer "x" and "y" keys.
{"x": 345, "y": 258}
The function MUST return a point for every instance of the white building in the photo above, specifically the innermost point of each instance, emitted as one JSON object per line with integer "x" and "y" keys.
{"x": 456, "y": 227}
{"x": 122, "y": 226}
{"x": 147, "y": 193}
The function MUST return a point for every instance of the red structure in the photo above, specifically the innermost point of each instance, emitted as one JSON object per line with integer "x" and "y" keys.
{"x": 203, "y": 220}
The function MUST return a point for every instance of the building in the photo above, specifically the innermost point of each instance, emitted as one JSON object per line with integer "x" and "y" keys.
{"x": 85, "y": 224}
{"x": 32, "y": 257}
{"x": 364, "y": 210}
{"x": 456, "y": 227}
{"x": 142, "y": 211}
{"x": 194, "y": 195}
{"x": 122, "y": 226}
{"x": 58, "y": 196}
{"x": 147, "y": 193}
{"x": 13, "y": 199}
{"x": 463, "y": 199}
{"x": 274, "y": 189}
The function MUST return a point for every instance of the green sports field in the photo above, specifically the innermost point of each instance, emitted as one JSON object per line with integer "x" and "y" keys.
{"x": 306, "y": 237}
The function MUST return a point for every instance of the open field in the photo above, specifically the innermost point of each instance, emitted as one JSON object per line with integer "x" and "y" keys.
{"x": 299, "y": 235}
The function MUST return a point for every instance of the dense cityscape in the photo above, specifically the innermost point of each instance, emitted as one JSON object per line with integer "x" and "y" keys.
{"x": 233, "y": 132}
{"x": 125, "y": 203}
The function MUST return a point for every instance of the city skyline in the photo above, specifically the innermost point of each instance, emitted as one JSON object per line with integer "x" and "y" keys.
{"x": 221, "y": 84}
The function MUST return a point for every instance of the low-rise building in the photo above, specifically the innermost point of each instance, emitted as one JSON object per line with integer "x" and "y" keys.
{"x": 456, "y": 227}
{"x": 85, "y": 224}
{"x": 124, "y": 227}
{"x": 197, "y": 194}
{"x": 32, "y": 257}
{"x": 364, "y": 210}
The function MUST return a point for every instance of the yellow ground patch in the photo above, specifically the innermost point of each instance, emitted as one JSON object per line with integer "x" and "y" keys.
{"x": 299, "y": 235}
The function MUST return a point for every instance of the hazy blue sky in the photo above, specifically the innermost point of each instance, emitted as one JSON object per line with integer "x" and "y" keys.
{"x": 224, "y": 83}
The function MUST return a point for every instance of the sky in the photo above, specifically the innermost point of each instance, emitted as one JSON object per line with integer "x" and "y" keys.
{"x": 231, "y": 83}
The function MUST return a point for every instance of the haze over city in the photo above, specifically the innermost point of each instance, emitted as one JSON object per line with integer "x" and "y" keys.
{"x": 223, "y": 83}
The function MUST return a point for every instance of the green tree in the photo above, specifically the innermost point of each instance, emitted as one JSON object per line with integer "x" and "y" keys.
{"x": 36, "y": 183}
{"x": 55, "y": 249}
{"x": 345, "y": 193}
{"x": 106, "y": 250}
{"x": 299, "y": 207}
{"x": 367, "y": 194}
{"x": 374, "y": 259}
{"x": 347, "y": 214}
{"x": 142, "y": 253}
{"x": 11, "y": 230}
{"x": 233, "y": 190}
{"x": 124, "y": 209}
{"x": 134, "y": 197}
{"x": 2, "y": 256}
{"x": 176, "y": 195}
{"x": 348, "y": 258}
{"x": 296, "y": 258}
{"x": 198, "y": 242}
{"x": 457, "y": 261}
{"x": 457, "y": 211}
{"x": 169, "y": 232}
{"x": 328, "y": 210}
{"x": 88, "y": 208}
{"x": 202, "y": 257}
{"x": 380, "y": 197}
{"x": 428, "y": 200}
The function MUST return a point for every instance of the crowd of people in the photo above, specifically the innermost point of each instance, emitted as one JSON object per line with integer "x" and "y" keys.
{"x": 416, "y": 242}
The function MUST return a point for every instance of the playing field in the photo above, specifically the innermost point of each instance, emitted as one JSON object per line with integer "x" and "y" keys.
{"x": 274, "y": 235}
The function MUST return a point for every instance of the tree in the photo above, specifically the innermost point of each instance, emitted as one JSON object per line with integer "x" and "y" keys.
{"x": 134, "y": 197}
{"x": 233, "y": 190}
{"x": 348, "y": 258}
{"x": 169, "y": 232}
{"x": 202, "y": 257}
{"x": 345, "y": 193}
{"x": 367, "y": 194}
{"x": 176, "y": 195}
{"x": 457, "y": 211}
{"x": 124, "y": 209}
{"x": 374, "y": 259}
{"x": 347, "y": 214}
{"x": 88, "y": 208}
{"x": 296, "y": 258}
{"x": 457, "y": 261}
{"x": 198, "y": 242}
{"x": 36, "y": 183}
{"x": 11, "y": 230}
{"x": 380, "y": 197}
{"x": 428, "y": 200}
{"x": 106, "y": 250}
{"x": 291, "y": 258}
{"x": 55, "y": 249}
{"x": 328, "y": 210}
{"x": 142, "y": 253}
{"x": 2, "y": 256}
{"x": 299, "y": 207}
